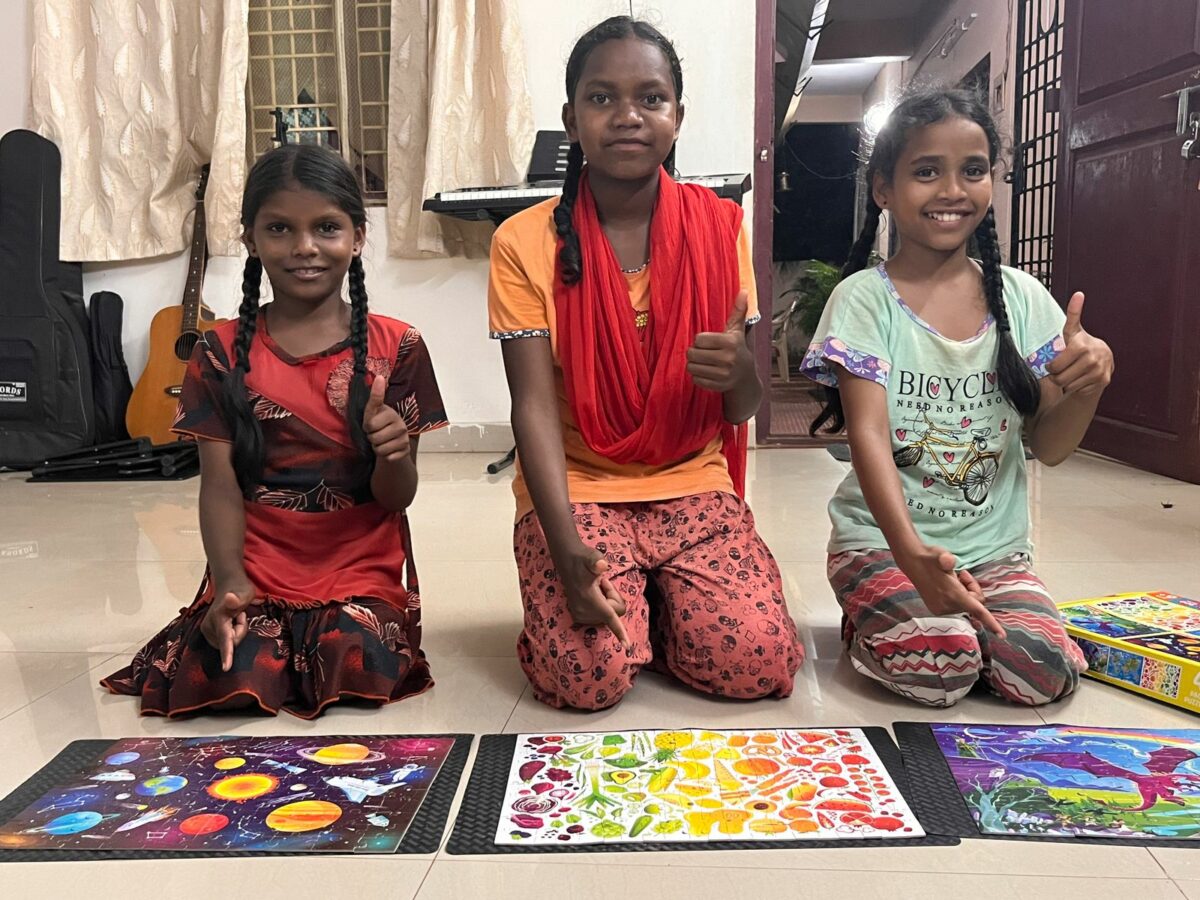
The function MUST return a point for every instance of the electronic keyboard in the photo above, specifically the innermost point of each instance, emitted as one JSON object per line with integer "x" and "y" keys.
{"x": 498, "y": 203}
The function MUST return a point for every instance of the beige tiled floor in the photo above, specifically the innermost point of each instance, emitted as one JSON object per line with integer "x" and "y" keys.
{"x": 89, "y": 571}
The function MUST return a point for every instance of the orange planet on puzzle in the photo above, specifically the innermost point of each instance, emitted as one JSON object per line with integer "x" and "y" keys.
{"x": 229, "y": 762}
{"x": 304, "y": 815}
{"x": 203, "y": 823}
{"x": 340, "y": 754}
{"x": 243, "y": 787}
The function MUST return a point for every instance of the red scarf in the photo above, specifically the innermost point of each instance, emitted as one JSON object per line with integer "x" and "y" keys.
{"x": 632, "y": 397}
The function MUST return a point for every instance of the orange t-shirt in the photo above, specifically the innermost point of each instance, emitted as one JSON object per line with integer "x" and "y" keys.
{"x": 521, "y": 304}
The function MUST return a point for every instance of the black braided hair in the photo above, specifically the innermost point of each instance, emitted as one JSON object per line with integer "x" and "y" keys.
{"x": 359, "y": 392}
{"x": 1017, "y": 382}
{"x": 570, "y": 257}
{"x": 317, "y": 169}
{"x": 247, "y": 434}
{"x": 920, "y": 108}
{"x": 611, "y": 29}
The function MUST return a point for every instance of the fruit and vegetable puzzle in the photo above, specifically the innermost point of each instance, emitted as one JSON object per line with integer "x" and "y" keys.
{"x": 1056, "y": 782}
{"x": 699, "y": 786}
{"x": 261, "y": 795}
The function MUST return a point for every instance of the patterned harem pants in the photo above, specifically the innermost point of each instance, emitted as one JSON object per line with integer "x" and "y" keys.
{"x": 892, "y": 637}
{"x": 704, "y": 603}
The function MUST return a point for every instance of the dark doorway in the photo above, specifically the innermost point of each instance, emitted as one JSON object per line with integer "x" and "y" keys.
{"x": 815, "y": 168}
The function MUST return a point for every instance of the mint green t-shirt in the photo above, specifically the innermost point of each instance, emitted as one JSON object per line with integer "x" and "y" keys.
{"x": 955, "y": 439}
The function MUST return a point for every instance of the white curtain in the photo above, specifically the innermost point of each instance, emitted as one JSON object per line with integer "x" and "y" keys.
{"x": 137, "y": 94}
{"x": 458, "y": 116}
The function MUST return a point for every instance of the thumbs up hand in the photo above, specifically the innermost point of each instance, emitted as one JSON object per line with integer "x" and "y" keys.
{"x": 719, "y": 360}
{"x": 1085, "y": 367}
{"x": 385, "y": 428}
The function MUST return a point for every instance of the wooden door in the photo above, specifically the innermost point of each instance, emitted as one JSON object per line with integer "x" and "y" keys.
{"x": 1127, "y": 223}
{"x": 762, "y": 227}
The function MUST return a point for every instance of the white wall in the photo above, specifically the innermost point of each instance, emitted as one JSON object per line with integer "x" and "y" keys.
{"x": 885, "y": 88}
{"x": 447, "y": 299}
{"x": 994, "y": 32}
{"x": 16, "y": 39}
{"x": 829, "y": 108}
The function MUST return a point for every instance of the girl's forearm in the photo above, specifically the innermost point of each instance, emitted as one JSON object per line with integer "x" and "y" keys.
{"x": 538, "y": 435}
{"x": 868, "y": 430}
{"x": 394, "y": 484}
{"x": 742, "y": 401}
{"x": 1057, "y": 432}
{"x": 223, "y": 529}
{"x": 871, "y": 456}
{"x": 529, "y": 366}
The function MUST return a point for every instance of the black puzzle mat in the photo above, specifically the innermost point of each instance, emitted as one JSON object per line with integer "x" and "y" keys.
{"x": 942, "y": 809}
{"x": 424, "y": 835}
{"x": 479, "y": 816}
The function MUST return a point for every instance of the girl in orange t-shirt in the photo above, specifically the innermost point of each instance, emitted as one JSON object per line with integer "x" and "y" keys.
{"x": 624, "y": 308}
{"x": 307, "y": 411}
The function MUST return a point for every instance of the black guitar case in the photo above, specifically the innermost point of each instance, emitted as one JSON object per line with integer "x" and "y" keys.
{"x": 111, "y": 387}
{"x": 46, "y": 405}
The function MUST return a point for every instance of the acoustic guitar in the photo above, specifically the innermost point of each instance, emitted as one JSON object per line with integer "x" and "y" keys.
{"x": 174, "y": 333}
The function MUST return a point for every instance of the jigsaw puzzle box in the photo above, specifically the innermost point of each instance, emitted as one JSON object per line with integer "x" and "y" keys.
{"x": 1148, "y": 643}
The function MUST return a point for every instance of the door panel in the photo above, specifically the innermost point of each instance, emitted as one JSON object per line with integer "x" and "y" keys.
{"x": 1127, "y": 225}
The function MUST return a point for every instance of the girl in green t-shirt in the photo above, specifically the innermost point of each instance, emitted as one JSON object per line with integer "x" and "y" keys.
{"x": 937, "y": 364}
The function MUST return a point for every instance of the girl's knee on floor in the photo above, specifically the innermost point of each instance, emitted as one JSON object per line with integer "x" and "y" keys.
{"x": 586, "y": 669}
{"x": 934, "y": 661}
{"x": 735, "y": 667}
{"x": 1034, "y": 676}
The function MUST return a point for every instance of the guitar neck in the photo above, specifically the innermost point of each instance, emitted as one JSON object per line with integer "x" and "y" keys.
{"x": 195, "y": 277}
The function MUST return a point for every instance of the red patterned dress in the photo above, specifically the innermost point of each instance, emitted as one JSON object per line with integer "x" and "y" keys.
{"x": 337, "y": 611}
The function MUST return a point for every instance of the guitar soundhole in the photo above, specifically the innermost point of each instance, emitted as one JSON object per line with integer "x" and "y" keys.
{"x": 185, "y": 344}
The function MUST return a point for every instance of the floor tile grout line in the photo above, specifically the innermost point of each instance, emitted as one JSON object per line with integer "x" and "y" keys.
{"x": 1158, "y": 862}
{"x": 421, "y": 886}
{"x": 465, "y": 777}
{"x": 59, "y": 687}
{"x": 513, "y": 711}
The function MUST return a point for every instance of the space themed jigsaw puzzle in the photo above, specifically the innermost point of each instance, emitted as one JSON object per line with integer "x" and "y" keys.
{"x": 262, "y": 794}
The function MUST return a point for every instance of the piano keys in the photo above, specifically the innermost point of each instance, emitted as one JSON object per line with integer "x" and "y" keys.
{"x": 498, "y": 203}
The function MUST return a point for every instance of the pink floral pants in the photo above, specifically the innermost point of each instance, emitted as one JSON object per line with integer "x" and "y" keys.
{"x": 704, "y": 603}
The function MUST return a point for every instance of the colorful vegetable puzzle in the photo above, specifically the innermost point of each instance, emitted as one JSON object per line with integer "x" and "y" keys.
{"x": 699, "y": 786}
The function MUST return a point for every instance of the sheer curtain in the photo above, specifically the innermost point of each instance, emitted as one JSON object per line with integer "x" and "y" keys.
{"x": 137, "y": 94}
{"x": 458, "y": 116}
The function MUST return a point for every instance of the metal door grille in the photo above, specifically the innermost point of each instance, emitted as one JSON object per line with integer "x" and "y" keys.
{"x": 1036, "y": 134}
{"x": 324, "y": 65}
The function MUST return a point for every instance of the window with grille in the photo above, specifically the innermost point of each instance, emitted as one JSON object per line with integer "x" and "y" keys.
{"x": 321, "y": 66}
{"x": 1035, "y": 133}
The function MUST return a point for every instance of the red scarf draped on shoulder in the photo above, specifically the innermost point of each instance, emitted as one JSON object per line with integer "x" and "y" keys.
{"x": 632, "y": 397}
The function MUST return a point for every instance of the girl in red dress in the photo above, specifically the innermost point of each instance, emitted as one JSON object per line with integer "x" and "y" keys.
{"x": 307, "y": 411}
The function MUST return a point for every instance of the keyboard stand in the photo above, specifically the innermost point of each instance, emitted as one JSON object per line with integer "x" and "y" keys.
{"x": 503, "y": 462}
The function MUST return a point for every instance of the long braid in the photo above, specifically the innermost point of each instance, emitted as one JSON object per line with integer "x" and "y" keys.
{"x": 359, "y": 389}
{"x": 861, "y": 251}
{"x": 855, "y": 262}
{"x": 247, "y": 433}
{"x": 1017, "y": 382}
{"x": 570, "y": 257}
